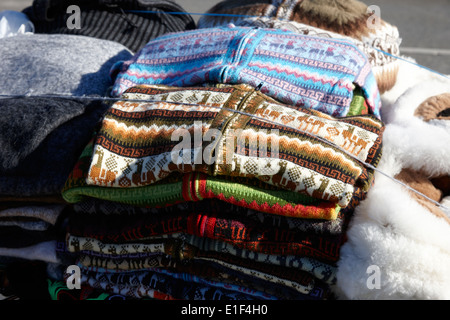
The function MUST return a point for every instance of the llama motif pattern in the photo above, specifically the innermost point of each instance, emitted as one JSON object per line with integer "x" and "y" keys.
{"x": 306, "y": 151}
{"x": 386, "y": 39}
{"x": 296, "y": 69}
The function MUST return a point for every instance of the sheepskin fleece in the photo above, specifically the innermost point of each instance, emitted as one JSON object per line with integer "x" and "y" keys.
{"x": 409, "y": 75}
{"x": 391, "y": 230}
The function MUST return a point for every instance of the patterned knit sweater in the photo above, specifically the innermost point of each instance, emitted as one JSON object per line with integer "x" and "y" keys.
{"x": 232, "y": 228}
{"x": 256, "y": 277}
{"x": 179, "y": 188}
{"x": 94, "y": 206}
{"x": 282, "y": 61}
{"x": 233, "y": 131}
{"x": 384, "y": 67}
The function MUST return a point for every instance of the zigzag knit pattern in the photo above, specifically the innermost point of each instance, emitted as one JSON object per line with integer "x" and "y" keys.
{"x": 284, "y": 63}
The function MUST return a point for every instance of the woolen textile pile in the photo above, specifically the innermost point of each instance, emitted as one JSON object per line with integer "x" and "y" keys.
{"x": 131, "y": 23}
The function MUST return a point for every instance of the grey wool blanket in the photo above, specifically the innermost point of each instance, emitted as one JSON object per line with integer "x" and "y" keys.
{"x": 42, "y": 137}
{"x": 58, "y": 64}
{"x": 40, "y": 141}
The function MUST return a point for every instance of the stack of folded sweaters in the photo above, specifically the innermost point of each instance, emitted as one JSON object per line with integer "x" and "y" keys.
{"x": 202, "y": 182}
{"x": 225, "y": 164}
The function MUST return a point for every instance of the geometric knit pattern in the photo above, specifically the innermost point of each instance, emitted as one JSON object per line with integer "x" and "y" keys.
{"x": 386, "y": 39}
{"x": 249, "y": 274}
{"x": 192, "y": 187}
{"x": 240, "y": 231}
{"x": 146, "y": 284}
{"x": 295, "y": 149}
{"x": 318, "y": 226}
{"x": 191, "y": 247}
{"x": 281, "y": 61}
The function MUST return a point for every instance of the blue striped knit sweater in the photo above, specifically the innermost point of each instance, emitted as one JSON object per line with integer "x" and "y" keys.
{"x": 295, "y": 69}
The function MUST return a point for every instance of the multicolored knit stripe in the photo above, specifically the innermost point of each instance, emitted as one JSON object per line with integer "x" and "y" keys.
{"x": 279, "y": 202}
{"x": 241, "y": 232}
{"x": 190, "y": 247}
{"x": 138, "y": 143}
{"x": 386, "y": 38}
{"x": 205, "y": 264}
{"x": 197, "y": 273}
{"x": 280, "y": 60}
{"x": 95, "y": 247}
{"x": 254, "y": 280}
{"x": 121, "y": 264}
{"x": 178, "y": 188}
{"x": 94, "y": 206}
{"x": 139, "y": 284}
{"x": 248, "y": 288}
{"x": 293, "y": 280}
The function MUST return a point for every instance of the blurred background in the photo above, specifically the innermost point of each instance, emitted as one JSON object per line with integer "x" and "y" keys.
{"x": 424, "y": 26}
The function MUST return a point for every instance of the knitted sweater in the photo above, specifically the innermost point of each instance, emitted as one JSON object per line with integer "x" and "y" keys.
{"x": 259, "y": 279}
{"x": 319, "y": 226}
{"x": 279, "y": 60}
{"x": 193, "y": 247}
{"x": 384, "y": 66}
{"x": 118, "y": 20}
{"x": 157, "y": 285}
{"x": 32, "y": 217}
{"x": 177, "y": 188}
{"x": 242, "y": 232}
{"x": 300, "y": 150}
{"x": 176, "y": 254}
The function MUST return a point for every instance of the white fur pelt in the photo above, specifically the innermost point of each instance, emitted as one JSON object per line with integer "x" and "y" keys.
{"x": 409, "y": 75}
{"x": 390, "y": 230}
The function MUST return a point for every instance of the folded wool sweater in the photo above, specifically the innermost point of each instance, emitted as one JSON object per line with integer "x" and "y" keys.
{"x": 190, "y": 217}
{"x": 384, "y": 65}
{"x": 253, "y": 136}
{"x": 153, "y": 264}
{"x": 130, "y": 22}
{"x": 348, "y": 18}
{"x": 34, "y": 217}
{"x": 58, "y": 64}
{"x": 256, "y": 281}
{"x": 256, "y": 56}
{"x": 232, "y": 228}
{"x": 185, "y": 258}
{"x": 188, "y": 248}
{"x": 249, "y": 193}
{"x": 42, "y": 142}
{"x": 40, "y": 251}
{"x": 319, "y": 226}
{"x": 150, "y": 284}
{"x": 248, "y": 270}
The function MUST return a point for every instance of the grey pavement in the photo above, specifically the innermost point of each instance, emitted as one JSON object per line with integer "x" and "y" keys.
{"x": 424, "y": 26}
